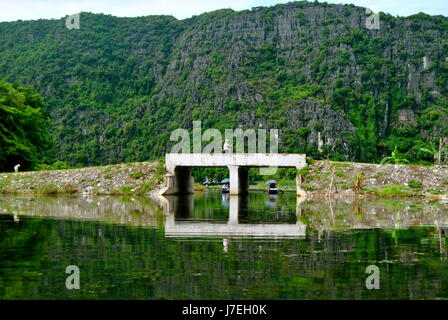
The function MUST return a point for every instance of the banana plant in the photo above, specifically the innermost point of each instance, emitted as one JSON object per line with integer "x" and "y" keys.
{"x": 437, "y": 152}
{"x": 394, "y": 158}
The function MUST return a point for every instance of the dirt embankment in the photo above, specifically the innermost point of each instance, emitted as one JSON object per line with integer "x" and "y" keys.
{"x": 122, "y": 179}
{"x": 319, "y": 179}
{"x": 344, "y": 179}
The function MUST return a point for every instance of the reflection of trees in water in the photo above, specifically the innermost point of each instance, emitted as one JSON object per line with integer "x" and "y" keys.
{"x": 119, "y": 261}
{"x": 127, "y": 262}
{"x": 22, "y": 251}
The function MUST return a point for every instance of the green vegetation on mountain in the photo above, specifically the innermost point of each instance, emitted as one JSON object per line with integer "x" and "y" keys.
{"x": 117, "y": 87}
{"x": 23, "y": 127}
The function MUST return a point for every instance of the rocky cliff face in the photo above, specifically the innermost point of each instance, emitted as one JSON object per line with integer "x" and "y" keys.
{"x": 312, "y": 70}
{"x": 299, "y": 34}
{"x": 324, "y": 126}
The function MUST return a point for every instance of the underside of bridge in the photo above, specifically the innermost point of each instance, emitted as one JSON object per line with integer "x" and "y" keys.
{"x": 179, "y": 179}
{"x": 181, "y": 182}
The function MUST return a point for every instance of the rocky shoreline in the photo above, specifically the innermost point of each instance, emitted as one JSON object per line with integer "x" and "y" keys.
{"x": 320, "y": 179}
{"x": 363, "y": 180}
{"x": 122, "y": 179}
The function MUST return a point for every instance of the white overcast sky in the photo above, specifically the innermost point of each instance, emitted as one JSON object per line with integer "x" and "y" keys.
{"x": 11, "y": 10}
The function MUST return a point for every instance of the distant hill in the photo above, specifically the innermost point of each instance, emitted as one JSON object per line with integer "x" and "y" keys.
{"x": 117, "y": 87}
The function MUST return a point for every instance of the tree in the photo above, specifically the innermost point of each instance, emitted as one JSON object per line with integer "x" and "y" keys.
{"x": 437, "y": 153}
{"x": 394, "y": 158}
{"x": 23, "y": 127}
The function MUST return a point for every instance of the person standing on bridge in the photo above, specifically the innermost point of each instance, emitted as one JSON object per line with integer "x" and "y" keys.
{"x": 227, "y": 148}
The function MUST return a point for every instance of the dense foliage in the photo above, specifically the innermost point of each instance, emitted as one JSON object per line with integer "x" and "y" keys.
{"x": 23, "y": 127}
{"x": 117, "y": 87}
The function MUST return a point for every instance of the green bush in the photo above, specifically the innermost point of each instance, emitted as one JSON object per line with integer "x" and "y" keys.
{"x": 68, "y": 188}
{"x": 396, "y": 190}
{"x": 309, "y": 188}
{"x": 136, "y": 175}
{"x": 124, "y": 190}
{"x": 145, "y": 188}
{"x": 47, "y": 189}
{"x": 58, "y": 165}
{"x": 415, "y": 184}
{"x": 305, "y": 170}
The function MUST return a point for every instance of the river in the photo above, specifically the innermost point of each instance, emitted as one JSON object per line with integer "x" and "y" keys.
{"x": 214, "y": 246}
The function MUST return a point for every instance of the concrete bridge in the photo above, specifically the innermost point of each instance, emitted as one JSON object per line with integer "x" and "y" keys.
{"x": 179, "y": 165}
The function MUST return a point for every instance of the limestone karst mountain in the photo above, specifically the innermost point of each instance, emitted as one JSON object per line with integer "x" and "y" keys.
{"x": 117, "y": 87}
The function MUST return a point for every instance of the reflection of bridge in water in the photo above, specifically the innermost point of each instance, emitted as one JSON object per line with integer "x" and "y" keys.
{"x": 176, "y": 206}
{"x": 320, "y": 215}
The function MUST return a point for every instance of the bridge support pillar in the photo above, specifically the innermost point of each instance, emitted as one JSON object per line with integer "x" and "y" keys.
{"x": 239, "y": 180}
{"x": 180, "y": 183}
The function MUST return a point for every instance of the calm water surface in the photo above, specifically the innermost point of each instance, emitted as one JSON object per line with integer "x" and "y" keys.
{"x": 212, "y": 246}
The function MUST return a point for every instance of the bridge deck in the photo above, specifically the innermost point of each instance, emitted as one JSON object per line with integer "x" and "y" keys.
{"x": 280, "y": 160}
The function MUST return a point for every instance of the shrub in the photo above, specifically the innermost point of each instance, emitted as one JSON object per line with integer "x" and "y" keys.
{"x": 199, "y": 187}
{"x": 305, "y": 170}
{"x": 340, "y": 174}
{"x": 136, "y": 175}
{"x": 396, "y": 190}
{"x": 160, "y": 170}
{"x": 146, "y": 187}
{"x": 357, "y": 183}
{"x": 415, "y": 184}
{"x": 309, "y": 188}
{"x": 47, "y": 189}
{"x": 124, "y": 190}
{"x": 58, "y": 165}
{"x": 69, "y": 188}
